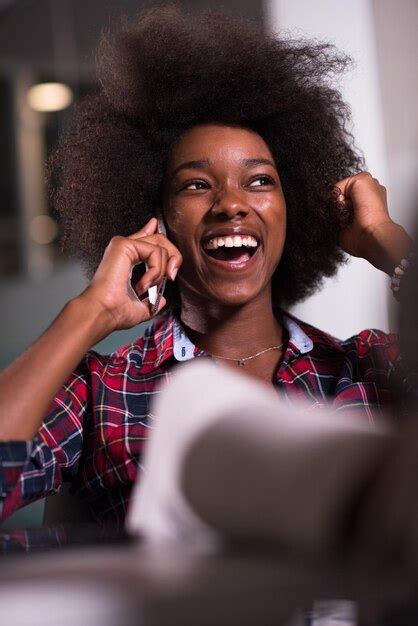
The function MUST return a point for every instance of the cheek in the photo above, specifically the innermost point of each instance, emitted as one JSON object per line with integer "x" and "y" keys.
{"x": 174, "y": 219}
{"x": 277, "y": 237}
{"x": 181, "y": 229}
{"x": 280, "y": 227}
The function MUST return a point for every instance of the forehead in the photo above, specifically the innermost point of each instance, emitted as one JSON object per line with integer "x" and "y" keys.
{"x": 217, "y": 141}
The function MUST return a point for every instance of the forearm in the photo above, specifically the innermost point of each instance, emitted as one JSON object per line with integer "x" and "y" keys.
{"x": 29, "y": 384}
{"x": 387, "y": 244}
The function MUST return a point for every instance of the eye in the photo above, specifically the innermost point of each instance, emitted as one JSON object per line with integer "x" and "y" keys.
{"x": 266, "y": 181}
{"x": 195, "y": 185}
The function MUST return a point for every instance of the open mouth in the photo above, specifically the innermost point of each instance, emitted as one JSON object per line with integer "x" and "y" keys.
{"x": 234, "y": 250}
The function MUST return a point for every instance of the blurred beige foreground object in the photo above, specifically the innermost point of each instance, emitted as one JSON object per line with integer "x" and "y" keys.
{"x": 228, "y": 458}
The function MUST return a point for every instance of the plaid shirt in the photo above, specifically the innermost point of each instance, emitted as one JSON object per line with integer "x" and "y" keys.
{"x": 95, "y": 430}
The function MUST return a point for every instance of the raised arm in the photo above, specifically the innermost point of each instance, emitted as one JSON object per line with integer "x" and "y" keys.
{"x": 29, "y": 384}
{"x": 373, "y": 235}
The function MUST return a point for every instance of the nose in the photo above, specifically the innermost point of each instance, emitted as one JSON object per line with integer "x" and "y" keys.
{"x": 228, "y": 204}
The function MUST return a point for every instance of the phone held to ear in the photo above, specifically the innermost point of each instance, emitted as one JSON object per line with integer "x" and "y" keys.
{"x": 155, "y": 292}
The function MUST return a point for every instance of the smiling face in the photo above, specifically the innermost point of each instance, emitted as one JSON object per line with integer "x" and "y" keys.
{"x": 225, "y": 210}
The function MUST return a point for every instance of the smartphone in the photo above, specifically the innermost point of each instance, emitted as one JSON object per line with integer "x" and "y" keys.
{"x": 155, "y": 292}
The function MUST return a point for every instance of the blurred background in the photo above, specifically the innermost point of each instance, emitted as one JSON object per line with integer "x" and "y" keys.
{"x": 47, "y": 50}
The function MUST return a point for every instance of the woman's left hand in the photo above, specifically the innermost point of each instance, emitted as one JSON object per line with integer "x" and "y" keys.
{"x": 372, "y": 235}
{"x": 369, "y": 201}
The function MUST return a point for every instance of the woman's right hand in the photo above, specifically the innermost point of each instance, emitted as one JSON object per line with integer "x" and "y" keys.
{"x": 109, "y": 303}
{"x": 110, "y": 287}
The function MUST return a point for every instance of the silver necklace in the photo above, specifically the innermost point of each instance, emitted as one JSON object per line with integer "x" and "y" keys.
{"x": 241, "y": 362}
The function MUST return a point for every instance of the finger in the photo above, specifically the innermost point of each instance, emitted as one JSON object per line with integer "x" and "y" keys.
{"x": 141, "y": 250}
{"x": 148, "y": 229}
{"x": 138, "y": 250}
{"x": 157, "y": 265}
{"x": 158, "y": 295}
{"x": 156, "y": 257}
{"x": 158, "y": 239}
{"x": 173, "y": 267}
{"x": 163, "y": 266}
{"x": 174, "y": 255}
{"x": 345, "y": 186}
{"x": 175, "y": 260}
{"x": 173, "y": 252}
{"x": 150, "y": 256}
{"x": 365, "y": 178}
{"x": 153, "y": 271}
{"x": 151, "y": 311}
{"x": 146, "y": 309}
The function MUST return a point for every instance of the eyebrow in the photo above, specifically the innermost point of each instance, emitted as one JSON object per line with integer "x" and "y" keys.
{"x": 257, "y": 161}
{"x": 191, "y": 165}
{"x": 201, "y": 163}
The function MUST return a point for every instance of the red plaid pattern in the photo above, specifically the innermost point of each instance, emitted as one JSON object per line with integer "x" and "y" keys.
{"x": 95, "y": 430}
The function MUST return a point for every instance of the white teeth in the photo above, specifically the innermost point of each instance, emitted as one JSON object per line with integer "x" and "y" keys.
{"x": 235, "y": 241}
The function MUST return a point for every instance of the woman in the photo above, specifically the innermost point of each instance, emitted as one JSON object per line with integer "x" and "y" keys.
{"x": 238, "y": 140}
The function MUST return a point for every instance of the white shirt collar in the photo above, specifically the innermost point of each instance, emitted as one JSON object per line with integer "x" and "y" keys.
{"x": 184, "y": 349}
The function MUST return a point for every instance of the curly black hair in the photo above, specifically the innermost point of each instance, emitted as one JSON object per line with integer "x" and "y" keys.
{"x": 168, "y": 70}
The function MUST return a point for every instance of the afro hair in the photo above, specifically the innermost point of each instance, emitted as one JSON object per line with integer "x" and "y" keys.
{"x": 168, "y": 70}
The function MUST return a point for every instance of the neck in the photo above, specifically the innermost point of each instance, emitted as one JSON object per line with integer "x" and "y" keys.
{"x": 232, "y": 331}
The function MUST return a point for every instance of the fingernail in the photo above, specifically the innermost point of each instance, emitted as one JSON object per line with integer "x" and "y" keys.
{"x": 173, "y": 273}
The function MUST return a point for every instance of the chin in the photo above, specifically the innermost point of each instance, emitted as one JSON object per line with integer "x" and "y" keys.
{"x": 227, "y": 293}
{"x": 228, "y": 299}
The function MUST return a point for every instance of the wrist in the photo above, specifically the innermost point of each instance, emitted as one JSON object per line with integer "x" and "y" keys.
{"x": 386, "y": 244}
{"x": 97, "y": 319}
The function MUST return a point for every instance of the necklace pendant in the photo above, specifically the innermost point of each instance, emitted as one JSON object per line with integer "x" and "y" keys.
{"x": 241, "y": 362}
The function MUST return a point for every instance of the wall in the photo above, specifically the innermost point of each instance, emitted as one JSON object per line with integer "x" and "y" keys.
{"x": 27, "y": 308}
{"x": 358, "y": 297}
{"x": 396, "y": 26}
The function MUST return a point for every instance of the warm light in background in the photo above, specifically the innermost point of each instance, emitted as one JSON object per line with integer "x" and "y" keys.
{"x": 43, "y": 229}
{"x": 50, "y": 97}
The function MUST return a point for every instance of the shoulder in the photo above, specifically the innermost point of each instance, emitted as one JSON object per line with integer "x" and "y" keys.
{"x": 152, "y": 346}
{"x": 136, "y": 358}
{"x": 369, "y": 342}
{"x": 357, "y": 372}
